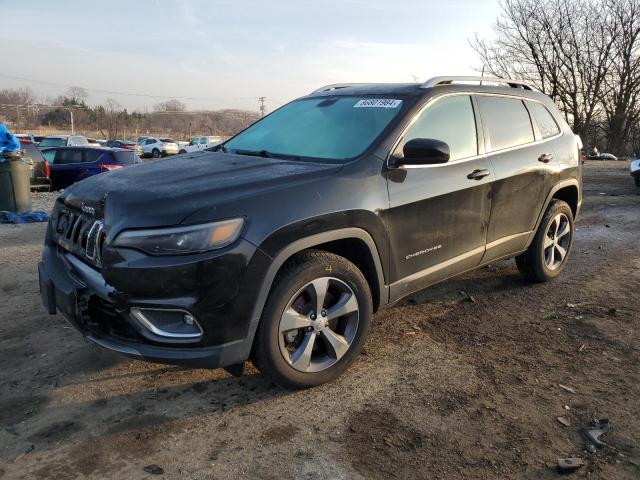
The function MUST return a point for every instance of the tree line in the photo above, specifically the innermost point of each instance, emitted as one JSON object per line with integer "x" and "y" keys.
{"x": 584, "y": 54}
{"x": 22, "y": 111}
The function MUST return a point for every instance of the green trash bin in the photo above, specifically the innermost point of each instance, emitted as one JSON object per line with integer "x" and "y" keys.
{"x": 15, "y": 181}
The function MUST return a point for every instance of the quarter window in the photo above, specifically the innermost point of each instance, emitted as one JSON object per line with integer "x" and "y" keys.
{"x": 506, "y": 120}
{"x": 543, "y": 118}
{"x": 450, "y": 120}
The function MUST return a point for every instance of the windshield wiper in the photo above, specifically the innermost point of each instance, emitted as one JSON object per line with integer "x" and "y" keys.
{"x": 255, "y": 153}
{"x": 267, "y": 154}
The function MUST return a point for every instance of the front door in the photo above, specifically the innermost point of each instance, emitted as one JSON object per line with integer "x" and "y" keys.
{"x": 438, "y": 213}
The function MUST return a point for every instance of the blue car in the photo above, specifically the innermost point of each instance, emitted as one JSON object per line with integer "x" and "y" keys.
{"x": 68, "y": 165}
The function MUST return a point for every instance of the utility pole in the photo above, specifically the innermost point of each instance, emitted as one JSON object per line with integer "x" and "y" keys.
{"x": 262, "y": 109}
{"x": 73, "y": 131}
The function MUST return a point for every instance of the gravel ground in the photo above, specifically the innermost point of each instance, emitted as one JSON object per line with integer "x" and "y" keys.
{"x": 459, "y": 381}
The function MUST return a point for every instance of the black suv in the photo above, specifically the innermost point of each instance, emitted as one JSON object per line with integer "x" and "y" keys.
{"x": 279, "y": 245}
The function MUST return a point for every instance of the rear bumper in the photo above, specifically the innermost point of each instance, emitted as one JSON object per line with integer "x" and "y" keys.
{"x": 96, "y": 309}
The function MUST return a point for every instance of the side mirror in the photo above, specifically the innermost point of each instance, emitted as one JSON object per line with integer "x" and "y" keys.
{"x": 424, "y": 151}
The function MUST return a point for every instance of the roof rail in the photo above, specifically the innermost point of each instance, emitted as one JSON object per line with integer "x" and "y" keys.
{"x": 436, "y": 81}
{"x": 336, "y": 86}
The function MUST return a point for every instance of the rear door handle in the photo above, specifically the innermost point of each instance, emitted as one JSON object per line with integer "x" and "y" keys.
{"x": 545, "y": 158}
{"x": 478, "y": 174}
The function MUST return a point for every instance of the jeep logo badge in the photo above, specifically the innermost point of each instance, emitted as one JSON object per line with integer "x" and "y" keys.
{"x": 89, "y": 210}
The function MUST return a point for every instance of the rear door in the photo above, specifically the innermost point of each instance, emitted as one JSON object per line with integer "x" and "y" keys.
{"x": 524, "y": 164}
{"x": 438, "y": 215}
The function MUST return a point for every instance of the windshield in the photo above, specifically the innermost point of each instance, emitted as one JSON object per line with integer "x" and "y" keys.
{"x": 53, "y": 142}
{"x": 337, "y": 128}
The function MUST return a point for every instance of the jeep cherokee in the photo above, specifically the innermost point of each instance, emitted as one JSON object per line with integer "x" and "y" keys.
{"x": 280, "y": 245}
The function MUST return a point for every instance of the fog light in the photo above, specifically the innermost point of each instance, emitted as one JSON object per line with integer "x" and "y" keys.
{"x": 168, "y": 323}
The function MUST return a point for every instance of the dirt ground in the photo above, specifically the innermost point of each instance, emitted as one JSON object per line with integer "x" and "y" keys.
{"x": 459, "y": 381}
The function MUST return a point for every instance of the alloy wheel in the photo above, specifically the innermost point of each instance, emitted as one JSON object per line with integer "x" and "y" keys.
{"x": 557, "y": 241}
{"x": 318, "y": 325}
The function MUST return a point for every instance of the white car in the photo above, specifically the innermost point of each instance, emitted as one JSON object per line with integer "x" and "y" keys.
{"x": 200, "y": 143}
{"x": 635, "y": 171}
{"x": 158, "y": 147}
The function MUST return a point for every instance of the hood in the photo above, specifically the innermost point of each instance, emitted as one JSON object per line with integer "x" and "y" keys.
{"x": 167, "y": 191}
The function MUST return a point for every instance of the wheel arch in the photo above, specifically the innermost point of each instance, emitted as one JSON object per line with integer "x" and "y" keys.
{"x": 366, "y": 257}
{"x": 568, "y": 194}
{"x": 568, "y": 191}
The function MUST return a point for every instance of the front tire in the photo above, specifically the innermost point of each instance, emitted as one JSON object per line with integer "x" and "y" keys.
{"x": 547, "y": 255}
{"x": 315, "y": 321}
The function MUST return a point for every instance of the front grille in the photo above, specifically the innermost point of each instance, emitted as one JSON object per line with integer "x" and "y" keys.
{"x": 81, "y": 235}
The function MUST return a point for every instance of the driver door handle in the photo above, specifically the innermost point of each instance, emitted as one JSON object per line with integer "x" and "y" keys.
{"x": 545, "y": 158}
{"x": 478, "y": 174}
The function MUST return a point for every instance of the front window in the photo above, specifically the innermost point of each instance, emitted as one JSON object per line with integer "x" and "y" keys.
{"x": 332, "y": 128}
{"x": 451, "y": 120}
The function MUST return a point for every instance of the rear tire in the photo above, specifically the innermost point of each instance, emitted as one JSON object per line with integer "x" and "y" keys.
{"x": 296, "y": 346}
{"x": 547, "y": 255}
{"x": 155, "y": 153}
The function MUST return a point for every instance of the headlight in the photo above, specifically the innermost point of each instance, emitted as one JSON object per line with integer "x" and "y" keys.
{"x": 180, "y": 240}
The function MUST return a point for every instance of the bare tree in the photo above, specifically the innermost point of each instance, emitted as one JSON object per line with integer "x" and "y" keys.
{"x": 172, "y": 105}
{"x": 563, "y": 47}
{"x": 77, "y": 94}
{"x": 621, "y": 97}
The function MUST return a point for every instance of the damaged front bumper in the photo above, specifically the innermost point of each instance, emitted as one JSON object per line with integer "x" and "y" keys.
{"x": 108, "y": 317}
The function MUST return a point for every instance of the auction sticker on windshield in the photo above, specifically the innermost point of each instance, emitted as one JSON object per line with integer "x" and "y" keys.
{"x": 378, "y": 103}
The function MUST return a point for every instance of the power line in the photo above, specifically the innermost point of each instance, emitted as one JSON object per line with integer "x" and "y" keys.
{"x": 114, "y": 92}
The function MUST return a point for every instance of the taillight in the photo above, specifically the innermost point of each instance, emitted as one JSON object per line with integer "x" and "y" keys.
{"x": 110, "y": 167}
{"x": 47, "y": 169}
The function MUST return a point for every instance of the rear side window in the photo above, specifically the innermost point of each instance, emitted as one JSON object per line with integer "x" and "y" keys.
{"x": 166, "y": 140}
{"x": 506, "y": 120}
{"x": 68, "y": 156}
{"x": 543, "y": 118}
{"x": 450, "y": 120}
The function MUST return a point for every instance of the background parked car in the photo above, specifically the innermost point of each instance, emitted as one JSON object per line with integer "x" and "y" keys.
{"x": 635, "y": 171}
{"x": 201, "y": 143}
{"x": 96, "y": 142}
{"x": 159, "y": 147}
{"x": 68, "y": 165}
{"x": 32, "y": 151}
{"x": 25, "y": 136}
{"x": 126, "y": 144}
{"x": 63, "y": 141}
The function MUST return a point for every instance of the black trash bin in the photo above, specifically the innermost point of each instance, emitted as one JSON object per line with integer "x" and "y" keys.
{"x": 15, "y": 181}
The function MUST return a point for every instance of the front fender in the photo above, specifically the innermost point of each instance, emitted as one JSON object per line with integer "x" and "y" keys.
{"x": 280, "y": 247}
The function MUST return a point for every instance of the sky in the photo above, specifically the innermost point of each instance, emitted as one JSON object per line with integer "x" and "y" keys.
{"x": 226, "y": 53}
